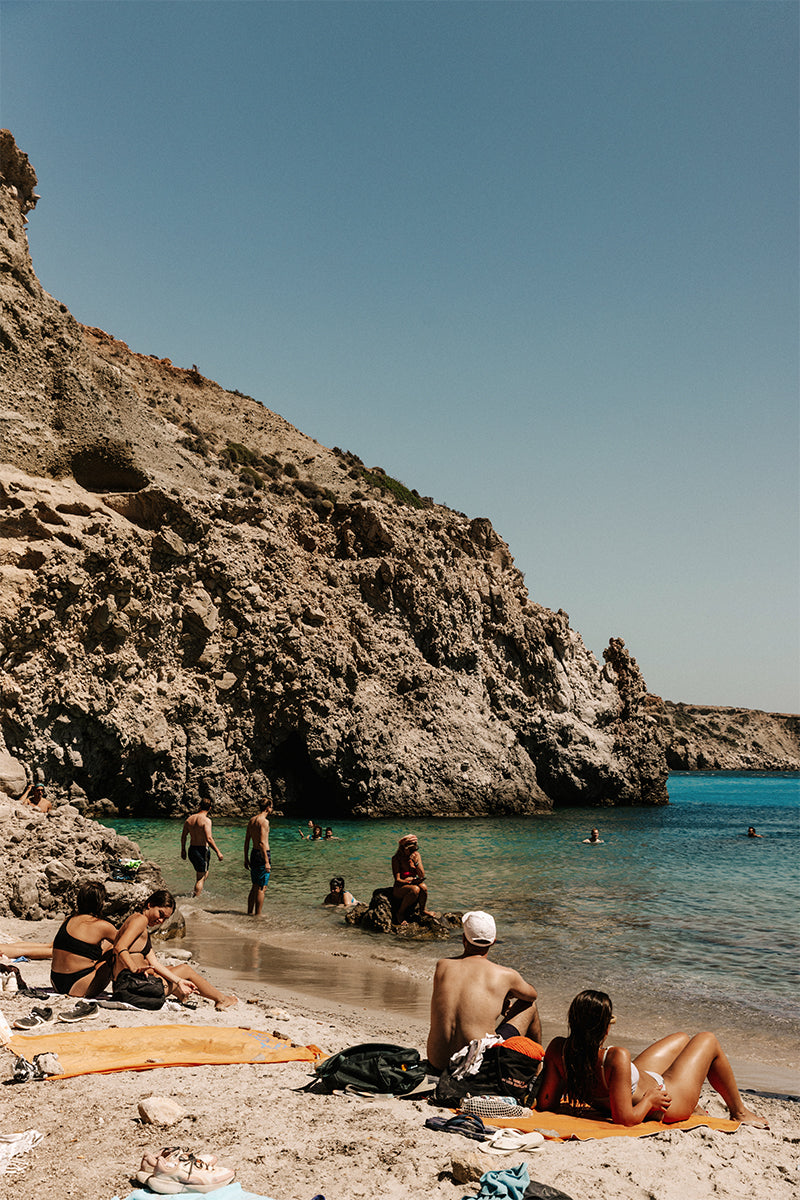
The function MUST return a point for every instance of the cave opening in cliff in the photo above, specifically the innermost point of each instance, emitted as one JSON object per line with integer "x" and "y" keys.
{"x": 99, "y": 470}
{"x": 297, "y": 786}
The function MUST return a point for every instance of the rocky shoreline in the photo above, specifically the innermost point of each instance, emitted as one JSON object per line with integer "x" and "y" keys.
{"x": 47, "y": 857}
{"x": 700, "y": 737}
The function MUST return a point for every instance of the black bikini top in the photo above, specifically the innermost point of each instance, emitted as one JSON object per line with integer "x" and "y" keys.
{"x": 71, "y": 945}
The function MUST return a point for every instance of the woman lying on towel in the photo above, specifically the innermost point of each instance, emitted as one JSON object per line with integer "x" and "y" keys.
{"x": 82, "y": 946}
{"x": 134, "y": 959}
{"x": 663, "y": 1082}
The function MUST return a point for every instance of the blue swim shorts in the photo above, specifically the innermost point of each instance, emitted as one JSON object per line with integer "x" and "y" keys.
{"x": 259, "y": 870}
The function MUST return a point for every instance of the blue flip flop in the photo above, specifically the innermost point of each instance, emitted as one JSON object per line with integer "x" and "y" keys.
{"x": 469, "y": 1126}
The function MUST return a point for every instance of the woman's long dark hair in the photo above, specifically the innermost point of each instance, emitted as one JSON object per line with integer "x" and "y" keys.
{"x": 589, "y": 1018}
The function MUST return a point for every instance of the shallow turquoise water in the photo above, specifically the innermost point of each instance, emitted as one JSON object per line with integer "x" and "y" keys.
{"x": 677, "y": 912}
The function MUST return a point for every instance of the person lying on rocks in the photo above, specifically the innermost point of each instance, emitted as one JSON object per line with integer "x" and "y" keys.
{"x": 82, "y": 946}
{"x": 473, "y": 997}
{"x": 134, "y": 955}
{"x": 409, "y": 881}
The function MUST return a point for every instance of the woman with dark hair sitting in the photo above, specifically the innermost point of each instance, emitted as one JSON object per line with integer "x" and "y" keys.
{"x": 82, "y": 962}
{"x": 662, "y": 1082}
{"x": 134, "y": 956}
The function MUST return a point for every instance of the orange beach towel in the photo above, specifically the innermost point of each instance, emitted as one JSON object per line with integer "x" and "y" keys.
{"x": 100, "y": 1051}
{"x": 562, "y": 1127}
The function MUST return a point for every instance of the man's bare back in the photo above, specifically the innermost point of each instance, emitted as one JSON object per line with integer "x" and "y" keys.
{"x": 257, "y": 832}
{"x": 468, "y": 1001}
{"x": 257, "y": 857}
{"x": 197, "y": 828}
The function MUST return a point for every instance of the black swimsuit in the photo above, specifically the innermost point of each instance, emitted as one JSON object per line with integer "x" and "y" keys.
{"x": 63, "y": 981}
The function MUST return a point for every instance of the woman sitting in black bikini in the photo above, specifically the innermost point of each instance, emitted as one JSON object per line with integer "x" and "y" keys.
{"x": 82, "y": 947}
{"x": 134, "y": 955}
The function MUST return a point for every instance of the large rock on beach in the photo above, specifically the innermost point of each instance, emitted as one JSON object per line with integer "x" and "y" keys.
{"x": 47, "y": 857}
{"x": 198, "y": 599}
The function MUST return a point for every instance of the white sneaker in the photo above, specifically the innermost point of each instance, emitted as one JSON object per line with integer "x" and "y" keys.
{"x": 179, "y": 1172}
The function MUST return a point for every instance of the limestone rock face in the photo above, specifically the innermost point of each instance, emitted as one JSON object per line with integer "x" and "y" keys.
{"x": 196, "y": 598}
{"x": 700, "y": 737}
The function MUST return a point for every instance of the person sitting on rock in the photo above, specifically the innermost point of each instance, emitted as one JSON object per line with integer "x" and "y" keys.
{"x": 409, "y": 888}
{"x": 134, "y": 955}
{"x": 337, "y": 895}
{"x": 82, "y": 946}
{"x": 34, "y": 795}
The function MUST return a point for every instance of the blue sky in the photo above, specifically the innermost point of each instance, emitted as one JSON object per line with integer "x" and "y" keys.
{"x": 537, "y": 260}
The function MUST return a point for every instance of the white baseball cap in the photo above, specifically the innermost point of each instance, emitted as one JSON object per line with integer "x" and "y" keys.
{"x": 479, "y": 928}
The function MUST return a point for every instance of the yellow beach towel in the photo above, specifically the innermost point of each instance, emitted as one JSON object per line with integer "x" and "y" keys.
{"x": 100, "y": 1051}
{"x": 561, "y": 1127}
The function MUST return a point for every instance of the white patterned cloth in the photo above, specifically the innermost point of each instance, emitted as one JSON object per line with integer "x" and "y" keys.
{"x": 12, "y": 1144}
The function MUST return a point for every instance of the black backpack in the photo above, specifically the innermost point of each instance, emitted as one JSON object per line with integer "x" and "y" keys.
{"x": 503, "y": 1072}
{"x": 371, "y": 1067}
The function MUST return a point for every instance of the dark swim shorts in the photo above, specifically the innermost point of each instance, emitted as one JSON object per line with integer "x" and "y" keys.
{"x": 200, "y": 858}
{"x": 259, "y": 869}
{"x": 506, "y": 1030}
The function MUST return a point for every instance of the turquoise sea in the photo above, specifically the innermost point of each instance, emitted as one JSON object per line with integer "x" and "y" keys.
{"x": 678, "y": 915}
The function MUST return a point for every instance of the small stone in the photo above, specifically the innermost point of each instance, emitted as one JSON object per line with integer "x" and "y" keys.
{"x": 467, "y": 1167}
{"x": 160, "y": 1110}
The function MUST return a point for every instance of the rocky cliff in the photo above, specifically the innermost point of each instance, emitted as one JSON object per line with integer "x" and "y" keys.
{"x": 701, "y": 737}
{"x": 197, "y": 598}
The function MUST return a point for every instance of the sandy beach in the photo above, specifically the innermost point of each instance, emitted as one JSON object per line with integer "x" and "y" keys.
{"x": 286, "y": 1144}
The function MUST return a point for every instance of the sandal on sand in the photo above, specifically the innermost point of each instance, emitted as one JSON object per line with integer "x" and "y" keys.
{"x": 82, "y": 1011}
{"x": 471, "y": 1127}
{"x": 185, "y": 1173}
{"x": 39, "y": 1016}
{"x": 513, "y": 1141}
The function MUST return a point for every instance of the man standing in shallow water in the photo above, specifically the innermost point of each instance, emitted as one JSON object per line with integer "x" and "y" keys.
{"x": 473, "y": 997}
{"x": 257, "y": 860}
{"x": 197, "y": 828}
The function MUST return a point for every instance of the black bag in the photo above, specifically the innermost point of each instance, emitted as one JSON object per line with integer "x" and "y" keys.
{"x": 503, "y": 1072}
{"x": 371, "y": 1067}
{"x": 143, "y": 991}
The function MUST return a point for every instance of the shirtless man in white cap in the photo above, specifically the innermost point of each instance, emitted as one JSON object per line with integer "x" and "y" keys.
{"x": 473, "y": 996}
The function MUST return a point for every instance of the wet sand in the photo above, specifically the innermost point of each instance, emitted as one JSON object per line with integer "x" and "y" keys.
{"x": 373, "y": 974}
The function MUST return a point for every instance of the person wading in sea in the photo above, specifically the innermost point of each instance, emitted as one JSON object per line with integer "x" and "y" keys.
{"x": 258, "y": 860}
{"x": 197, "y": 830}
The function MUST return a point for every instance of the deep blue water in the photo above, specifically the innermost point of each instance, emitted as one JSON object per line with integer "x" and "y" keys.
{"x": 677, "y": 912}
